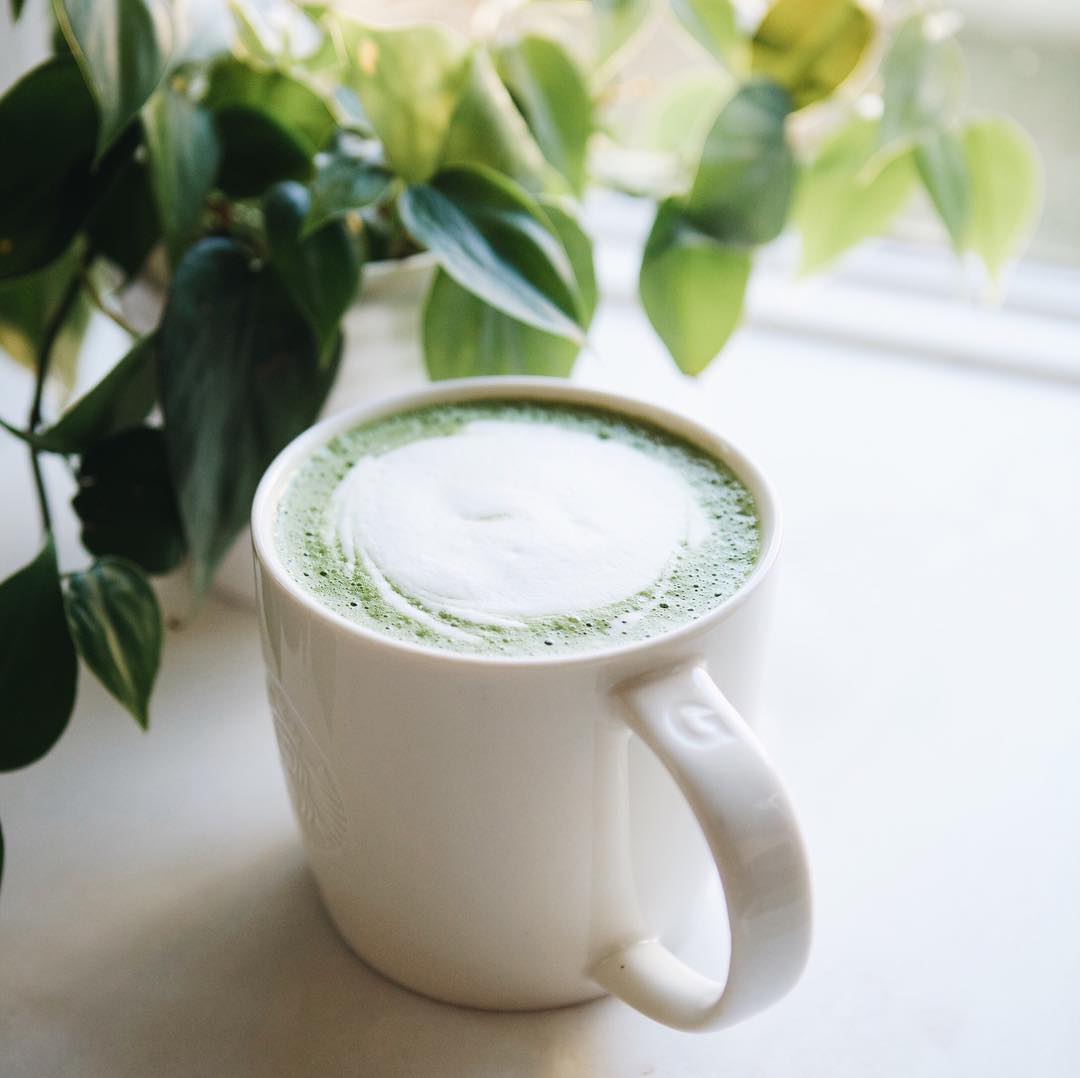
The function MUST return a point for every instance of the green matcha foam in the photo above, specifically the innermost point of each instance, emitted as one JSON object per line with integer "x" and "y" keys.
{"x": 516, "y": 527}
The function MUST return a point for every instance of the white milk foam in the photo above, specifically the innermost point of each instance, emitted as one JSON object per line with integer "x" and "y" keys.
{"x": 507, "y": 521}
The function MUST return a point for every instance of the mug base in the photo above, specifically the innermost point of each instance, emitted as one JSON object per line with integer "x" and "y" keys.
{"x": 472, "y": 1000}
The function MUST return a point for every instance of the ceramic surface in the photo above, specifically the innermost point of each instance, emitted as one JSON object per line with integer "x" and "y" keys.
{"x": 526, "y": 833}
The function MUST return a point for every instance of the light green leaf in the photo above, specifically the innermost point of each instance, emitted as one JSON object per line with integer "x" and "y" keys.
{"x": 677, "y": 120}
{"x": 692, "y": 288}
{"x": 346, "y": 179}
{"x": 616, "y": 23}
{"x": 37, "y": 662}
{"x": 811, "y": 46}
{"x": 321, "y": 270}
{"x": 466, "y": 337}
{"x": 939, "y": 158}
{"x": 713, "y": 25}
{"x": 183, "y": 159}
{"x": 840, "y": 201}
{"x": 1006, "y": 188}
{"x": 924, "y": 81}
{"x": 487, "y": 129}
{"x": 122, "y": 48}
{"x": 409, "y": 82}
{"x": 743, "y": 186}
{"x": 552, "y": 94}
{"x": 120, "y": 400}
{"x": 116, "y": 625}
{"x": 495, "y": 240}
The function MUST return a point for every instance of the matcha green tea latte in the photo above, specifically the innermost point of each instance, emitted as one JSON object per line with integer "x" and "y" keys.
{"x": 516, "y": 527}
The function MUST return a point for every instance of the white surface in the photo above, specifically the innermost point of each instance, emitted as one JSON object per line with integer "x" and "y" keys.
{"x": 156, "y": 917}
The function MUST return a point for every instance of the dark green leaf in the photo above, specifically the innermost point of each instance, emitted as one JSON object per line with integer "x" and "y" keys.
{"x": 494, "y": 240}
{"x": 346, "y": 179}
{"x": 183, "y": 157}
{"x": 126, "y": 500}
{"x": 487, "y": 129}
{"x": 742, "y": 190}
{"x": 37, "y": 662}
{"x": 842, "y": 199}
{"x": 291, "y": 104}
{"x": 44, "y": 185}
{"x": 553, "y": 95}
{"x": 692, "y": 288}
{"x": 409, "y": 81}
{"x": 225, "y": 422}
{"x": 924, "y": 80}
{"x": 116, "y": 625}
{"x": 16, "y": 11}
{"x": 122, "y": 47}
{"x": 256, "y": 152}
{"x": 270, "y": 126}
{"x": 321, "y": 271}
{"x": 939, "y": 157}
{"x": 122, "y": 399}
{"x": 712, "y": 23}
{"x": 124, "y": 225}
{"x": 464, "y": 336}
{"x": 811, "y": 46}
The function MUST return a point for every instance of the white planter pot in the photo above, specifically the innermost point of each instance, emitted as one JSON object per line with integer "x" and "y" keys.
{"x": 383, "y": 355}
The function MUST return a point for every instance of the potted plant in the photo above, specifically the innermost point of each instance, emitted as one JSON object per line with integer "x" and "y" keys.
{"x": 260, "y": 181}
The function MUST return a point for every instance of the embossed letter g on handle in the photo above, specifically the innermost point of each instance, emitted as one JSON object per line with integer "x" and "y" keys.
{"x": 747, "y": 819}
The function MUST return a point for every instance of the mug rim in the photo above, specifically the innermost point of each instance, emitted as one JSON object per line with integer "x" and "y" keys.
{"x": 276, "y": 477}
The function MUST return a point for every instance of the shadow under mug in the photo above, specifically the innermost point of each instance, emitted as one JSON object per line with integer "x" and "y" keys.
{"x": 474, "y": 822}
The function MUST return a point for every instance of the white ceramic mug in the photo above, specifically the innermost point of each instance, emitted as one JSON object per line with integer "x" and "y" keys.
{"x": 520, "y": 833}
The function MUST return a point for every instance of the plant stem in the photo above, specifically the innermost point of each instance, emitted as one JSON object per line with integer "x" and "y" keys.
{"x": 44, "y": 358}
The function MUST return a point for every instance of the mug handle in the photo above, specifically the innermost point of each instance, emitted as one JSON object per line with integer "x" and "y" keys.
{"x": 748, "y": 822}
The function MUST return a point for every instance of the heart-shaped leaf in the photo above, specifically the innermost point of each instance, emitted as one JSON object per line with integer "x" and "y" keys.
{"x": 942, "y": 167}
{"x": 48, "y": 123}
{"x": 1006, "y": 188}
{"x": 842, "y": 199}
{"x": 494, "y": 240}
{"x": 119, "y": 401}
{"x": 409, "y": 81}
{"x": 225, "y": 422}
{"x": 811, "y": 46}
{"x": 692, "y": 287}
{"x": 122, "y": 47}
{"x": 183, "y": 157}
{"x": 126, "y": 500}
{"x": 321, "y": 271}
{"x": 346, "y": 179}
{"x": 37, "y": 662}
{"x": 924, "y": 78}
{"x": 551, "y": 91}
{"x": 466, "y": 337}
{"x": 742, "y": 190}
{"x": 269, "y": 126}
{"x": 116, "y": 625}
